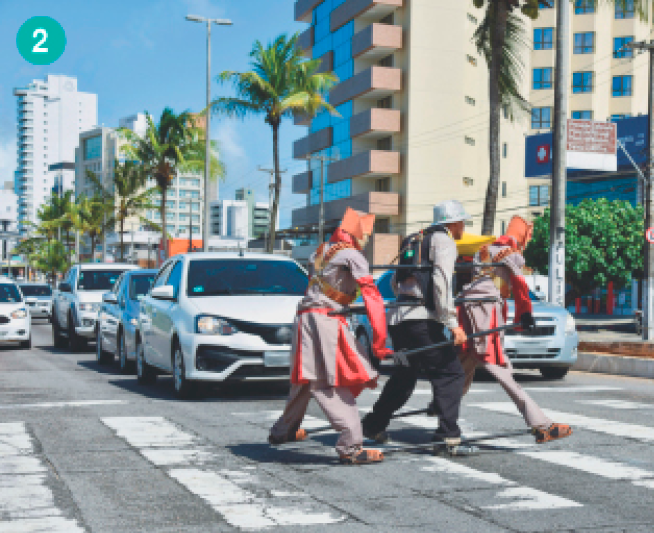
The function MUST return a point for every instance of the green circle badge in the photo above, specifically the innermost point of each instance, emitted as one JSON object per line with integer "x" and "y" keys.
{"x": 41, "y": 40}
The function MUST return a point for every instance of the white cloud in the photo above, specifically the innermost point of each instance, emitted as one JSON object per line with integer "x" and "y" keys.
{"x": 230, "y": 143}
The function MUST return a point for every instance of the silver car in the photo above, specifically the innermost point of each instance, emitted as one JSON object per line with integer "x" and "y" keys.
{"x": 38, "y": 297}
{"x": 551, "y": 347}
{"x": 118, "y": 318}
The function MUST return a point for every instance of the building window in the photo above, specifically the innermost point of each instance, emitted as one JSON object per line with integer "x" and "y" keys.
{"x": 621, "y": 86}
{"x": 541, "y": 118}
{"x": 383, "y": 225}
{"x": 539, "y": 195}
{"x": 615, "y": 118}
{"x": 386, "y": 61}
{"x": 620, "y": 48}
{"x": 503, "y": 227}
{"x": 503, "y": 192}
{"x": 388, "y": 19}
{"x": 505, "y": 150}
{"x": 505, "y": 111}
{"x": 584, "y": 6}
{"x": 543, "y": 38}
{"x": 624, "y": 11}
{"x": 472, "y": 18}
{"x": 385, "y": 144}
{"x": 93, "y": 147}
{"x": 582, "y": 115}
{"x": 468, "y": 182}
{"x": 545, "y": 4}
{"x": 582, "y": 82}
{"x": 542, "y": 78}
{"x": 383, "y": 185}
{"x": 469, "y": 140}
{"x": 584, "y": 43}
{"x": 385, "y": 103}
{"x": 470, "y": 101}
{"x": 472, "y": 60}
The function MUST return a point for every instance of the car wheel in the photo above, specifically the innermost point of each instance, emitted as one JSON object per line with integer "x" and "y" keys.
{"x": 145, "y": 374}
{"x": 26, "y": 345}
{"x": 76, "y": 343}
{"x": 101, "y": 355}
{"x": 58, "y": 339}
{"x": 554, "y": 372}
{"x": 184, "y": 388}
{"x": 123, "y": 363}
{"x": 362, "y": 338}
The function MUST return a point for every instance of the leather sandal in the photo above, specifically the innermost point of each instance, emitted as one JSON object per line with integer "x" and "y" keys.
{"x": 299, "y": 435}
{"x": 362, "y": 457}
{"x": 554, "y": 432}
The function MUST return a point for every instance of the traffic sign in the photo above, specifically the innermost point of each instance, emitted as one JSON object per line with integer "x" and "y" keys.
{"x": 649, "y": 235}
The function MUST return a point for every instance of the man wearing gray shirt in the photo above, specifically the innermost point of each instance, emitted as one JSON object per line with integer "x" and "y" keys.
{"x": 423, "y": 325}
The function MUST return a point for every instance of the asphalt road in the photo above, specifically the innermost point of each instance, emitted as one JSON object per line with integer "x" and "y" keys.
{"x": 84, "y": 448}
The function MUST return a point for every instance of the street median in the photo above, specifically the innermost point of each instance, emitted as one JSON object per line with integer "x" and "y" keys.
{"x": 637, "y": 362}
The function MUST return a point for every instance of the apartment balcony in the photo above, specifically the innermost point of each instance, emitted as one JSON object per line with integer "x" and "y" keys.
{"x": 375, "y": 83}
{"x": 302, "y": 120}
{"x": 351, "y": 9}
{"x": 304, "y": 9}
{"x": 313, "y": 143}
{"x": 366, "y": 164}
{"x": 306, "y": 41}
{"x": 302, "y": 183}
{"x": 377, "y": 41}
{"x": 375, "y": 123}
{"x": 377, "y": 203}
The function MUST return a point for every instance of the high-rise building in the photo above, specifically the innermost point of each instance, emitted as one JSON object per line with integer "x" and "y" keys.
{"x": 242, "y": 218}
{"x": 51, "y": 115}
{"x": 412, "y": 123}
{"x": 609, "y": 80}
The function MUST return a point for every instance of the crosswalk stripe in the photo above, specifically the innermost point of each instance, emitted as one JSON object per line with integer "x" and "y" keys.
{"x": 617, "y": 404}
{"x": 187, "y": 460}
{"x": 50, "y": 405}
{"x": 574, "y": 388}
{"x": 309, "y": 422}
{"x": 26, "y": 502}
{"x": 599, "y": 425}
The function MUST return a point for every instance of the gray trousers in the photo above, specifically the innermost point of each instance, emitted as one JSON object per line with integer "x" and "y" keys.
{"x": 533, "y": 415}
{"x": 339, "y": 406}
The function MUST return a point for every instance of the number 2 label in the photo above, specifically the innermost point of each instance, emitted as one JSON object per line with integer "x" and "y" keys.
{"x": 44, "y": 35}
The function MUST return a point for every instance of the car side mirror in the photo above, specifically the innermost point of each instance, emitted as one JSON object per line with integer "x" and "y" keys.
{"x": 109, "y": 298}
{"x": 164, "y": 292}
{"x": 65, "y": 287}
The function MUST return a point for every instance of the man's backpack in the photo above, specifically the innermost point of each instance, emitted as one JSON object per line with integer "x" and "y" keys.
{"x": 414, "y": 251}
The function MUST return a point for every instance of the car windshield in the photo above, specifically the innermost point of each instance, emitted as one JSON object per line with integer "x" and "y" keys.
{"x": 97, "y": 280}
{"x": 9, "y": 294}
{"x": 212, "y": 277}
{"x": 36, "y": 290}
{"x": 140, "y": 285}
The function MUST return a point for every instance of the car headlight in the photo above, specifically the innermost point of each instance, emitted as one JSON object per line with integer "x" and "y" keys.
{"x": 89, "y": 308}
{"x": 570, "y": 326}
{"x": 212, "y": 325}
{"x": 19, "y": 313}
{"x": 133, "y": 322}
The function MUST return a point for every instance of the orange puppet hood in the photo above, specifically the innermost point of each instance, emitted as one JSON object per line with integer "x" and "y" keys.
{"x": 520, "y": 232}
{"x": 357, "y": 224}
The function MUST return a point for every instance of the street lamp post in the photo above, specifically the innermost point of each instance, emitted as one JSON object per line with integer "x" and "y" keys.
{"x": 207, "y": 160}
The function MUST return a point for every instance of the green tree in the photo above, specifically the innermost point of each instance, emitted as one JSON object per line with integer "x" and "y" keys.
{"x": 172, "y": 145}
{"x": 500, "y": 39}
{"x": 92, "y": 217}
{"x": 604, "y": 242}
{"x": 281, "y": 84}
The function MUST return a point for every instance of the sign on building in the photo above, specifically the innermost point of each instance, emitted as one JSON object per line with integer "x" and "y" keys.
{"x": 592, "y": 145}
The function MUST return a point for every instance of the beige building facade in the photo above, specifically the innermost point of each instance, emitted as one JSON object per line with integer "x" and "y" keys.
{"x": 412, "y": 129}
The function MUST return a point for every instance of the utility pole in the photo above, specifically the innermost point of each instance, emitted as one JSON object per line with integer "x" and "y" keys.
{"x": 190, "y": 225}
{"x": 648, "y": 293}
{"x": 559, "y": 149}
{"x": 321, "y": 211}
{"x": 271, "y": 190}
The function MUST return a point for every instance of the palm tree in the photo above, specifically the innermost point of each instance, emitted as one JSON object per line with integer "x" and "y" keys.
{"x": 281, "y": 84}
{"x": 92, "y": 216}
{"x": 174, "y": 144}
{"x": 500, "y": 40}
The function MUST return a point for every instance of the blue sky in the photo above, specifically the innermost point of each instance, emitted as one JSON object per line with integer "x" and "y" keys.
{"x": 142, "y": 55}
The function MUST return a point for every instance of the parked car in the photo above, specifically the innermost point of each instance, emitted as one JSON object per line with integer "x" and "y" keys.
{"x": 15, "y": 322}
{"x": 214, "y": 317}
{"x": 118, "y": 318}
{"x": 551, "y": 347}
{"x": 77, "y": 300}
{"x": 38, "y": 297}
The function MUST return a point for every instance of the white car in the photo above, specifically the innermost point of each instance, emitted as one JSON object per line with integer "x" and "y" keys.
{"x": 78, "y": 299}
{"x": 214, "y": 317}
{"x": 15, "y": 322}
{"x": 38, "y": 297}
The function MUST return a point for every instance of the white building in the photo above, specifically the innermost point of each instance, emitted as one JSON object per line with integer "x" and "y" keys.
{"x": 51, "y": 115}
{"x": 242, "y": 218}
{"x": 8, "y": 218}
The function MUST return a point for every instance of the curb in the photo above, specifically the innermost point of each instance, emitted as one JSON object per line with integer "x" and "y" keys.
{"x": 618, "y": 347}
{"x": 637, "y": 367}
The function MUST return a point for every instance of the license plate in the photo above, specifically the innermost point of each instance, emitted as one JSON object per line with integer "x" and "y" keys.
{"x": 276, "y": 359}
